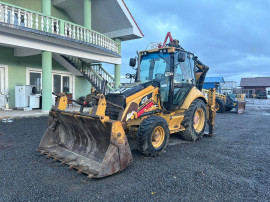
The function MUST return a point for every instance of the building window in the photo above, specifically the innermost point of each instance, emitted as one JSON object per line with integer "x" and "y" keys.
{"x": 35, "y": 80}
{"x": 61, "y": 83}
{"x": 57, "y": 83}
{"x": 66, "y": 84}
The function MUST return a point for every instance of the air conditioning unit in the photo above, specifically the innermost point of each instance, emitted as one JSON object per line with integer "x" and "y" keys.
{"x": 22, "y": 94}
{"x": 34, "y": 101}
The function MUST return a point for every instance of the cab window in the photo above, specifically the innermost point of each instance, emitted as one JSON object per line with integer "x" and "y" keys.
{"x": 184, "y": 71}
{"x": 184, "y": 78}
{"x": 153, "y": 67}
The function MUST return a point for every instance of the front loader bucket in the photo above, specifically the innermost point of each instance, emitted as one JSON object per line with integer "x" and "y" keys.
{"x": 85, "y": 143}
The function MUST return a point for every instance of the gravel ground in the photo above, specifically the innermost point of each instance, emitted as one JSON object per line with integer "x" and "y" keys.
{"x": 232, "y": 166}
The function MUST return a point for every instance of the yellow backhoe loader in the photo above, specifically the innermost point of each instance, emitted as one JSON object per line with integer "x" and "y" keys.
{"x": 227, "y": 102}
{"x": 166, "y": 98}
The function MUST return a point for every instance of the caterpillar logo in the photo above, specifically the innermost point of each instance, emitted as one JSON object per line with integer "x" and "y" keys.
{"x": 144, "y": 99}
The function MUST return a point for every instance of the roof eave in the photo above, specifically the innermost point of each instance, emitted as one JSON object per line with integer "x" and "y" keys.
{"x": 137, "y": 32}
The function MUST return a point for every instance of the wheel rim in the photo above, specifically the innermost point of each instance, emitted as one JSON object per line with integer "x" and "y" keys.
{"x": 158, "y": 137}
{"x": 217, "y": 106}
{"x": 199, "y": 120}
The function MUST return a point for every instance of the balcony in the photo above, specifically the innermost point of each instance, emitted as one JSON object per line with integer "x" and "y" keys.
{"x": 38, "y": 31}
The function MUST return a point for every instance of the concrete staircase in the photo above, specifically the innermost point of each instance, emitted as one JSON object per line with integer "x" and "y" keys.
{"x": 94, "y": 73}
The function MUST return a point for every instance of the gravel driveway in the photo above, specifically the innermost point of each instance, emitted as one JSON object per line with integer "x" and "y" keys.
{"x": 232, "y": 166}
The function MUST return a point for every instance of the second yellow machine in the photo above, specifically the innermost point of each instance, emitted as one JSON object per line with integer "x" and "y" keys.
{"x": 166, "y": 98}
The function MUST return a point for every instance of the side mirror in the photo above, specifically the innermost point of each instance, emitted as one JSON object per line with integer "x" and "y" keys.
{"x": 181, "y": 57}
{"x": 132, "y": 62}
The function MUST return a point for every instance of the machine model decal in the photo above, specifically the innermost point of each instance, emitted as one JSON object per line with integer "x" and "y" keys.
{"x": 144, "y": 99}
{"x": 146, "y": 107}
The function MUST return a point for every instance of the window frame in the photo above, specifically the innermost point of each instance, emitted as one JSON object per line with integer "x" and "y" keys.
{"x": 5, "y": 67}
{"x": 187, "y": 86}
{"x": 61, "y": 81}
{"x": 187, "y": 62}
{"x": 57, "y": 72}
{"x": 40, "y": 79}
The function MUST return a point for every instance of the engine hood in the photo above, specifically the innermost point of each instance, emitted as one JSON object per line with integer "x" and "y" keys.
{"x": 119, "y": 95}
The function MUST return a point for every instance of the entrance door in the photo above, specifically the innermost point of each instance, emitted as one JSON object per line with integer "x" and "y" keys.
{"x": 2, "y": 80}
{"x": 2, "y": 86}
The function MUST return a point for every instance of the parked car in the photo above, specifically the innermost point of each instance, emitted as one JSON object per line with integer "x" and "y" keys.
{"x": 262, "y": 95}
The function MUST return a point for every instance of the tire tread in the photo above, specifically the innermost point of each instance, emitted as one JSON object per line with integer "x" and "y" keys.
{"x": 188, "y": 134}
{"x": 142, "y": 137}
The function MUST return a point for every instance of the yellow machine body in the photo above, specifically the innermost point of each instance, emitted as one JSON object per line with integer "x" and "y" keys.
{"x": 173, "y": 119}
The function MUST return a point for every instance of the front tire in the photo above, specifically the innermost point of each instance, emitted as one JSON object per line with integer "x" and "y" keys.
{"x": 194, "y": 121}
{"x": 220, "y": 105}
{"x": 152, "y": 136}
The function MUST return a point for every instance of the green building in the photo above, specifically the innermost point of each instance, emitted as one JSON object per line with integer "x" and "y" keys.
{"x": 59, "y": 45}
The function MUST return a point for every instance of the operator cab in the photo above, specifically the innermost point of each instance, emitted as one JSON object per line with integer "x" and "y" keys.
{"x": 173, "y": 68}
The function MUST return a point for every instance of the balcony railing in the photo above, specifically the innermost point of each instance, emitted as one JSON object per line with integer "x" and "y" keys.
{"x": 22, "y": 17}
{"x": 78, "y": 32}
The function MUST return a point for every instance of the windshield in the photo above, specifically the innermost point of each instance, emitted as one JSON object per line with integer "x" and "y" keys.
{"x": 153, "y": 67}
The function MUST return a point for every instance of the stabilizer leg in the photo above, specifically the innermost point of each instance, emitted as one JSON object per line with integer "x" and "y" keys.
{"x": 211, "y": 112}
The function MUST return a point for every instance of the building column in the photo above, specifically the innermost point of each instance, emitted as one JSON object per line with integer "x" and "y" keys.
{"x": 46, "y": 67}
{"x": 46, "y": 7}
{"x": 117, "y": 68}
{"x": 87, "y": 14}
{"x": 46, "y": 80}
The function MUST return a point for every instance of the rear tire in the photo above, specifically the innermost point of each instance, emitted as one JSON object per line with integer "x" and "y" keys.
{"x": 194, "y": 121}
{"x": 152, "y": 136}
{"x": 220, "y": 105}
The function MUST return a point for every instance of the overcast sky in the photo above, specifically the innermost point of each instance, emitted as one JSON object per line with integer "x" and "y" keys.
{"x": 229, "y": 36}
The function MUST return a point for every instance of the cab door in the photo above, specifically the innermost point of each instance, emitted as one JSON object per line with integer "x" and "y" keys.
{"x": 183, "y": 78}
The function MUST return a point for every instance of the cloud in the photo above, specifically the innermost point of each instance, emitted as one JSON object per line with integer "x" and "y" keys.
{"x": 231, "y": 37}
